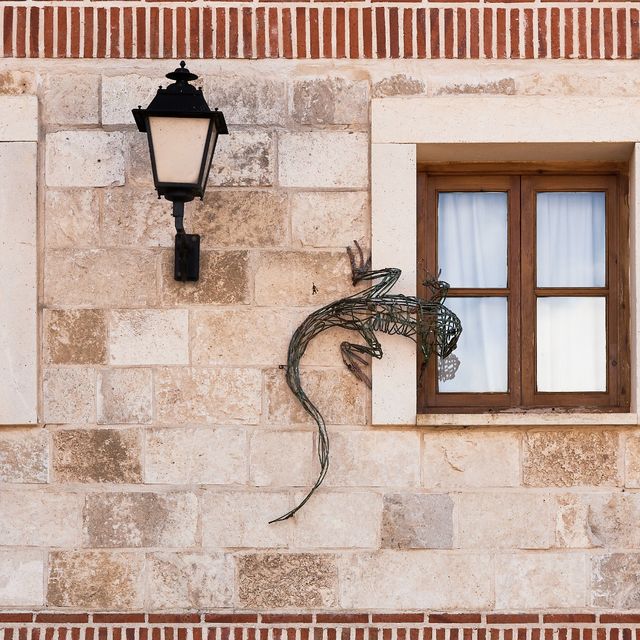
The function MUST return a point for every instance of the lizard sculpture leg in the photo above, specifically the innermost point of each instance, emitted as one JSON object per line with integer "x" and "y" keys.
{"x": 361, "y": 271}
{"x": 354, "y": 361}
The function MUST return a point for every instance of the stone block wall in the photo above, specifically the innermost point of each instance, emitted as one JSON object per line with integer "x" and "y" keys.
{"x": 169, "y": 438}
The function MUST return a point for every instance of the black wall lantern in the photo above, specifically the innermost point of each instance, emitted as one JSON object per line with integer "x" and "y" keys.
{"x": 182, "y": 133}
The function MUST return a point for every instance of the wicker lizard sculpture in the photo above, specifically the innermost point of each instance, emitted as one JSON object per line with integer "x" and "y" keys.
{"x": 428, "y": 322}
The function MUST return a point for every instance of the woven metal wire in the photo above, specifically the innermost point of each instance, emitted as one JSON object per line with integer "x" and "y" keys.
{"x": 429, "y": 323}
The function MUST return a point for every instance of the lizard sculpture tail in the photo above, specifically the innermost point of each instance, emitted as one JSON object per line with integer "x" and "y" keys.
{"x": 435, "y": 328}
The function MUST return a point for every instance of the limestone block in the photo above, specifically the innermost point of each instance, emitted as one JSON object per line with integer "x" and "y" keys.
{"x": 632, "y": 460}
{"x": 234, "y": 218}
{"x": 241, "y": 519}
{"x": 24, "y": 455}
{"x": 103, "y": 580}
{"x": 224, "y": 279}
{"x": 324, "y": 349}
{"x": 72, "y": 98}
{"x": 196, "y": 456}
{"x": 69, "y": 395}
{"x": 288, "y": 278}
{"x": 244, "y": 159}
{"x": 21, "y": 578}
{"x": 507, "y": 520}
{"x": 282, "y": 459}
{"x": 17, "y": 83}
{"x": 97, "y": 455}
{"x": 338, "y": 520}
{"x": 612, "y": 519}
{"x": 275, "y": 580}
{"x": 208, "y": 395}
{"x": 138, "y": 160}
{"x": 18, "y": 118}
{"x": 39, "y": 519}
{"x": 120, "y": 94}
{"x": 125, "y": 396}
{"x": 550, "y": 580}
{"x": 190, "y": 580}
{"x": 399, "y": 84}
{"x": 374, "y": 459}
{"x": 330, "y": 219}
{"x": 330, "y": 100}
{"x": 571, "y": 458}
{"x": 247, "y": 100}
{"x": 615, "y": 579}
{"x": 400, "y": 580}
{"x": 84, "y": 158}
{"x": 256, "y": 336}
{"x": 137, "y": 218}
{"x": 140, "y": 519}
{"x": 463, "y": 459}
{"x": 324, "y": 159}
{"x": 75, "y": 336}
{"x": 149, "y": 337}
{"x": 100, "y": 278}
{"x": 572, "y": 522}
{"x": 417, "y": 521}
{"x": 71, "y": 218}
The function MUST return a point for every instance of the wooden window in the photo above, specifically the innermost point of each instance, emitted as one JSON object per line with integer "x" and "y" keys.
{"x": 537, "y": 266}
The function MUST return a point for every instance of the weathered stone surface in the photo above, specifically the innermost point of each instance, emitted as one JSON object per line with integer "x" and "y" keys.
{"x": 233, "y": 218}
{"x": 241, "y": 519}
{"x": 103, "y": 580}
{"x": 399, "y": 84}
{"x": 247, "y": 99}
{"x": 615, "y": 580}
{"x": 464, "y": 459}
{"x": 331, "y": 100}
{"x": 632, "y": 460}
{"x": 21, "y": 578}
{"x": 571, "y": 458}
{"x": 149, "y": 337}
{"x": 72, "y": 98}
{"x": 75, "y": 336}
{"x": 140, "y": 519}
{"x": 400, "y": 580}
{"x": 324, "y": 159}
{"x": 190, "y": 580}
{"x": 282, "y": 459}
{"x": 120, "y": 94}
{"x": 551, "y": 580}
{"x": 196, "y": 456}
{"x": 97, "y": 455}
{"x": 212, "y": 395}
{"x": 612, "y": 520}
{"x": 84, "y": 159}
{"x": 287, "y": 580}
{"x": 506, "y": 86}
{"x": 508, "y": 520}
{"x": 80, "y": 277}
{"x": 71, "y": 218}
{"x": 24, "y": 455}
{"x": 339, "y": 396}
{"x": 125, "y": 396}
{"x": 224, "y": 279}
{"x": 338, "y": 520}
{"x": 39, "y": 519}
{"x": 135, "y": 217}
{"x": 17, "y": 83}
{"x": 374, "y": 459}
{"x": 245, "y": 159}
{"x": 332, "y": 219}
{"x": 291, "y": 278}
{"x": 138, "y": 160}
{"x": 572, "y": 526}
{"x": 255, "y": 336}
{"x": 417, "y": 521}
{"x": 69, "y": 395}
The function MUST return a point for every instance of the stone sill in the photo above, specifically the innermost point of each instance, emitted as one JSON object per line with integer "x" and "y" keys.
{"x": 529, "y": 418}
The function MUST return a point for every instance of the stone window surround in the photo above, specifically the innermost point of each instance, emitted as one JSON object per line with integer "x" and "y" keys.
{"x": 18, "y": 260}
{"x": 405, "y": 130}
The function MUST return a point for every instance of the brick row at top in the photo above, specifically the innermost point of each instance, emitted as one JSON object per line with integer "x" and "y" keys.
{"x": 312, "y": 32}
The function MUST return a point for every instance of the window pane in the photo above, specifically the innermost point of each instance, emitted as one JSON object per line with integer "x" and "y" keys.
{"x": 571, "y": 344}
{"x": 482, "y": 348}
{"x": 472, "y": 239}
{"x": 571, "y": 239}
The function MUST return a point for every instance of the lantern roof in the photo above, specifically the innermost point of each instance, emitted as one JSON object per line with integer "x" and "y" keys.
{"x": 179, "y": 100}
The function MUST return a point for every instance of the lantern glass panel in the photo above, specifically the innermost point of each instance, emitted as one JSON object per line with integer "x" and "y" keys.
{"x": 178, "y": 148}
{"x": 210, "y": 150}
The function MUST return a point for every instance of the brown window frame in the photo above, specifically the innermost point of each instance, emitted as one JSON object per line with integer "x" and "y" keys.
{"x": 522, "y": 183}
